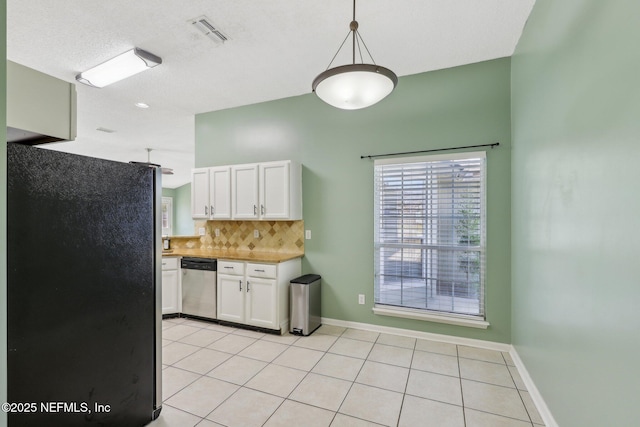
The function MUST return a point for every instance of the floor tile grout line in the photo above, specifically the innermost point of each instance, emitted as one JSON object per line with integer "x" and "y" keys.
{"x": 519, "y": 393}
{"x": 464, "y": 415}
{"x": 261, "y": 391}
{"x": 525, "y": 405}
{"x": 327, "y": 351}
{"x": 501, "y": 416}
{"x": 288, "y": 397}
{"x": 406, "y": 385}
{"x": 297, "y": 385}
{"x": 182, "y": 410}
{"x": 354, "y": 380}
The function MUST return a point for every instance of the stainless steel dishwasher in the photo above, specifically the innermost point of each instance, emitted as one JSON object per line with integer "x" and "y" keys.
{"x": 199, "y": 287}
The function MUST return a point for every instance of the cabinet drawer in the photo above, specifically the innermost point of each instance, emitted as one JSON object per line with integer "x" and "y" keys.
{"x": 170, "y": 263}
{"x": 231, "y": 267}
{"x": 267, "y": 271}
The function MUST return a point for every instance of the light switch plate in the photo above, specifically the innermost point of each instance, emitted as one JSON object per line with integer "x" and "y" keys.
{"x": 256, "y": 234}
{"x": 201, "y": 231}
{"x": 307, "y": 234}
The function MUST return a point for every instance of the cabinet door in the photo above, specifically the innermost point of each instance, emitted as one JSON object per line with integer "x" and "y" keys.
{"x": 274, "y": 190}
{"x": 170, "y": 296}
{"x": 261, "y": 303}
{"x": 200, "y": 193}
{"x": 220, "y": 192}
{"x": 244, "y": 191}
{"x": 231, "y": 290}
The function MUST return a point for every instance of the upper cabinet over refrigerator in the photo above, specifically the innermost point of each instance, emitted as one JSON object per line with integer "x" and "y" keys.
{"x": 40, "y": 108}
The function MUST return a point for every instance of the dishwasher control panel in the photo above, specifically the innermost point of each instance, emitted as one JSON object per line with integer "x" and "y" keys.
{"x": 206, "y": 264}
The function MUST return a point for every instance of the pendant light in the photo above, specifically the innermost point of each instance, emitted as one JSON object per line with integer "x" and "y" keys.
{"x": 354, "y": 86}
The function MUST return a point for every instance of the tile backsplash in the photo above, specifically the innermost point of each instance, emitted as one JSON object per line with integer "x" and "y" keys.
{"x": 273, "y": 236}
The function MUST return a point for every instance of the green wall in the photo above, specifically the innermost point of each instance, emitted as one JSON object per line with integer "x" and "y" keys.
{"x": 454, "y": 107}
{"x": 170, "y": 192}
{"x": 576, "y": 207}
{"x": 182, "y": 204}
{"x": 3, "y": 212}
{"x": 182, "y": 223}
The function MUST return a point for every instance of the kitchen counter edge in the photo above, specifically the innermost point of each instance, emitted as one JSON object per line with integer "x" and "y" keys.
{"x": 272, "y": 257}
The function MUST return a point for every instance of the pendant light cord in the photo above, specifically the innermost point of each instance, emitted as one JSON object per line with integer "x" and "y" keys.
{"x": 355, "y": 31}
{"x": 357, "y": 39}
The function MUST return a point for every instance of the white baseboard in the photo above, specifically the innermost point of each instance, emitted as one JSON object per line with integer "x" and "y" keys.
{"x": 489, "y": 345}
{"x": 543, "y": 409}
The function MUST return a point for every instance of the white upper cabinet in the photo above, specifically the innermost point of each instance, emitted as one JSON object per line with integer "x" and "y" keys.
{"x": 220, "y": 192}
{"x": 280, "y": 194}
{"x": 244, "y": 191}
{"x": 200, "y": 193}
{"x": 211, "y": 193}
{"x": 256, "y": 191}
{"x": 274, "y": 190}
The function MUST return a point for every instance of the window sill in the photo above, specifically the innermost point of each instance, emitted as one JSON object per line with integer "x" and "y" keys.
{"x": 408, "y": 313}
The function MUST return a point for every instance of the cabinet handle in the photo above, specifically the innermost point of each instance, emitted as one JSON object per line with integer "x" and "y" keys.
{"x": 247, "y": 286}
{"x": 261, "y": 271}
{"x": 262, "y": 209}
{"x": 226, "y": 266}
{"x": 206, "y": 212}
{"x": 240, "y": 284}
{"x": 255, "y": 210}
{"x": 211, "y": 210}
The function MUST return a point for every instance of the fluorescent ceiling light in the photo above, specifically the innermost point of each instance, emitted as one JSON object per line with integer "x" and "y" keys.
{"x": 122, "y": 66}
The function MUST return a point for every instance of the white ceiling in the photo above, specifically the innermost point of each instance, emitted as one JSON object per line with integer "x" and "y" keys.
{"x": 275, "y": 50}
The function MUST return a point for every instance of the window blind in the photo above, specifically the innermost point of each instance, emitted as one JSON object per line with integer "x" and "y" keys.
{"x": 430, "y": 233}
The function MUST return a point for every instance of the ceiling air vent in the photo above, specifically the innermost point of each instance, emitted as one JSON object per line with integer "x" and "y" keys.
{"x": 204, "y": 25}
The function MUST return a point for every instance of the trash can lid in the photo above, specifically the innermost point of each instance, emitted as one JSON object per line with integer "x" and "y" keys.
{"x": 307, "y": 279}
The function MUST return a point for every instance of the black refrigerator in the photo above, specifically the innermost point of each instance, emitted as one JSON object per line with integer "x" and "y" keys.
{"x": 84, "y": 290}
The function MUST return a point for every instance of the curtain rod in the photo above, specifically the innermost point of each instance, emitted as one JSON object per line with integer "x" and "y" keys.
{"x": 495, "y": 144}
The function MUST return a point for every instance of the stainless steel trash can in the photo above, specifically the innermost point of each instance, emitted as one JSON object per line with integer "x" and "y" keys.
{"x": 304, "y": 304}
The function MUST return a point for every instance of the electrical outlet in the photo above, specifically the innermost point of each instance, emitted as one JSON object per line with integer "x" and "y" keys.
{"x": 361, "y": 299}
{"x": 217, "y": 232}
{"x": 307, "y": 234}
{"x": 201, "y": 231}
{"x": 256, "y": 234}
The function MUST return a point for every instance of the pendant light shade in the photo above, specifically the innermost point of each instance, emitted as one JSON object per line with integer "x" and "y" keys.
{"x": 351, "y": 87}
{"x": 354, "y": 86}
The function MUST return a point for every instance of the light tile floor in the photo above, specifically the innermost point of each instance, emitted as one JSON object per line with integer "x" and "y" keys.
{"x": 216, "y": 375}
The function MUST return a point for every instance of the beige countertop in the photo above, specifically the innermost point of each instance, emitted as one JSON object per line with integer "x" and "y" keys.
{"x": 273, "y": 257}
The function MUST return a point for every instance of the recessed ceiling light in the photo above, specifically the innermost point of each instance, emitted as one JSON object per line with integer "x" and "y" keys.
{"x": 141, "y": 105}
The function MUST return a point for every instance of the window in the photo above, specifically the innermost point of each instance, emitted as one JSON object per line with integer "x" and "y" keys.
{"x": 167, "y": 216}
{"x": 430, "y": 235}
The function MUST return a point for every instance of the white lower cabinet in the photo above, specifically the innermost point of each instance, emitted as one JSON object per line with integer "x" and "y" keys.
{"x": 171, "y": 292}
{"x": 256, "y": 294}
{"x": 230, "y": 298}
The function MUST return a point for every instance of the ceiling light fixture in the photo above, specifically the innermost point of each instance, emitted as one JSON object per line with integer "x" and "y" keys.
{"x": 122, "y": 66}
{"x": 165, "y": 171}
{"x": 141, "y": 105}
{"x": 354, "y": 86}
